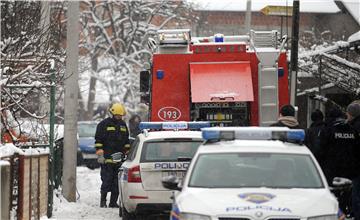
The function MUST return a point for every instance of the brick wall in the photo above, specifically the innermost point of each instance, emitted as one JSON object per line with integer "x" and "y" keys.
{"x": 212, "y": 22}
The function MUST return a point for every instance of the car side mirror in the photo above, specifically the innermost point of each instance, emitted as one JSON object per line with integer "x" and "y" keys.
{"x": 340, "y": 185}
{"x": 341, "y": 182}
{"x": 131, "y": 140}
{"x": 171, "y": 182}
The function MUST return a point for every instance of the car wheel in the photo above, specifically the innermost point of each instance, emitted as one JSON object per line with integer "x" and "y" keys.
{"x": 92, "y": 165}
{"x": 126, "y": 215}
{"x": 80, "y": 159}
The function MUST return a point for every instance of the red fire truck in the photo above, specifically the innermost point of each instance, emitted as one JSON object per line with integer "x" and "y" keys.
{"x": 227, "y": 80}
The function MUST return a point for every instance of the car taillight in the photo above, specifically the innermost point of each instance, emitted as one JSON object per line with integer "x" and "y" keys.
{"x": 134, "y": 175}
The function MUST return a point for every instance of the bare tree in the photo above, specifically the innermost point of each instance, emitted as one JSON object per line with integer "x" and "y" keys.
{"x": 27, "y": 52}
{"x": 114, "y": 35}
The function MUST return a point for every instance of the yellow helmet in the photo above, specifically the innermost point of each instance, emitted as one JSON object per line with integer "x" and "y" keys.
{"x": 117, "y": 109}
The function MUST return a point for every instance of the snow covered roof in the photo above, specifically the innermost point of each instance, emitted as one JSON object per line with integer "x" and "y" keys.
{"x": 354, "y": 37}
{"x": 353, "y": 6}
{"x": 306, "y": 6}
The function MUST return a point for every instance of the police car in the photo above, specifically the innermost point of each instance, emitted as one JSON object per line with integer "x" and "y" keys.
{"x": 253, "y": 173}
{"x": 153, "y": 155}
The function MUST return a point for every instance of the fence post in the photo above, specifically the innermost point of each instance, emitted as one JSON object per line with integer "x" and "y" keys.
{"x": 5, "y": 190}
{"x": 24, "y": 202}
{"x": 43, "y": 183}
{"x": 51, "y": 141}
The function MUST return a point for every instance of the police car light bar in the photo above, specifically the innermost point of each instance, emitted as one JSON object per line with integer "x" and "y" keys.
{"x": 253, "y": 133}
{"x": 181, "y": 125}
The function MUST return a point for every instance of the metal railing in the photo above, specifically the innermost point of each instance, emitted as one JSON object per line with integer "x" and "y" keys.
{"x": 336, "y": 70}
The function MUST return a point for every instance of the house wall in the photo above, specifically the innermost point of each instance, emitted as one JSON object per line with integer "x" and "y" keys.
{"x": 233, "y": 23}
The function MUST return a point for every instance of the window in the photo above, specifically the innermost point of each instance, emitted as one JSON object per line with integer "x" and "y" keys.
{"x": 133, "y": 149}
{"x": 87, "y": 130}
{"x": 274, "y": 170}
{"x": 169, "y": 150}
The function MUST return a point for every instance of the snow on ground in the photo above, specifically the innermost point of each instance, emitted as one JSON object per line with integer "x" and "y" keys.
{"x": 88, "y": 199}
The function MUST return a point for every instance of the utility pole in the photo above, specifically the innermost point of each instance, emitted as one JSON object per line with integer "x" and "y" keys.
{"x": 248, "y": 17}
{"x": 45, "y": 28}
{"x": 71, "y": 102}
{"x": 294, "y": 50}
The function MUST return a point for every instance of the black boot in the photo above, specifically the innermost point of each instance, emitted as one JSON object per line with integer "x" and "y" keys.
{"x": 113, "y": 200}
{"x": 103, "y": 200}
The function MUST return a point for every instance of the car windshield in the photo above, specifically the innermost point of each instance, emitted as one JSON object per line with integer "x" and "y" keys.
{"x": 87, "y": 129}
{"x": 169, "y": 150}
{"x": 274, "y": 170}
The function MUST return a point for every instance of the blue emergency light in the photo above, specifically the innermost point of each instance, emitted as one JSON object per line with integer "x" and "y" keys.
{"x": 180, "y": 125}
{"x": 219, "y": 38}
{"x": 253, "y": 133}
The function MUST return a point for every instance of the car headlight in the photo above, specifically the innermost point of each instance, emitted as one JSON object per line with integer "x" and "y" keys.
{"x": 190, "y": 216}
{"x": 324, "y": 217}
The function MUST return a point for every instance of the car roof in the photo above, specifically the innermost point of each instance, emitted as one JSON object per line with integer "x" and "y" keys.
{"x": 170, "y": 134}
{"x": 254, "y": 146}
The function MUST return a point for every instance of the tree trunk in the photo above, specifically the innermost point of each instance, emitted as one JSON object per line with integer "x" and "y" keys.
{"x": 92, "y": 90}
{"x": 82, "y": 107}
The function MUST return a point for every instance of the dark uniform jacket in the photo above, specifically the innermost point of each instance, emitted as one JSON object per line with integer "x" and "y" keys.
{"x": 111, "y": 135}
{"x": 312, "y": 136}
{"x": 286, "y": 121}
{"x": 355, "y": 123}
{"x": 339, "y": 150}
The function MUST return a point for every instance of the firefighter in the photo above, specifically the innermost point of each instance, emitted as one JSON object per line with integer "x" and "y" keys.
{"x": 112, "y": 136}
{"x": 287, "y": 118}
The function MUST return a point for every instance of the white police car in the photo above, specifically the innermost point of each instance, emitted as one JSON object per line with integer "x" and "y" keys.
{"x": 253, "y": 173}
{"x": 153, "y": 155}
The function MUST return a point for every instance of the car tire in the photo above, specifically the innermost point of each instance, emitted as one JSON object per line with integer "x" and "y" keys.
{"x": 93, "y": 165}
{"x": 126, "y": 215}
{"x": 120, "y": 211}
{"x": 80, "y": 160}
